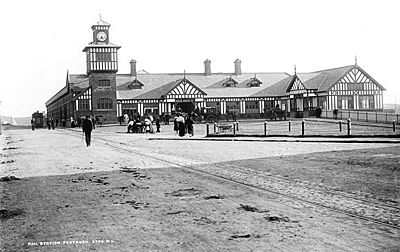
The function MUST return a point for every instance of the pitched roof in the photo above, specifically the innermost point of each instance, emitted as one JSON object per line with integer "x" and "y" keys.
{"x": 203, "y": 82}
{"x": 160, "y": 91}
{"x": 324, "y": 79}
{"x": 276, "y": 90}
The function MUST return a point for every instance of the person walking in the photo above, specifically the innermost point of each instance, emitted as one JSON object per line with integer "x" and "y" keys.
{"x": 158, "y": 124}
{"x": 52, "y": 123}
{"x": 181, "y": 125}
{"x": 189, "y": 123}
{"x": 33, "y": 124}
{"x": 87, "y": 127}
{"x": 48, "y": 123}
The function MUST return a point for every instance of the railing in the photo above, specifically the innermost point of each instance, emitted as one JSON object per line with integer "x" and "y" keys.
{"x": 304, "y": 127}
{"x": 365, "y": 116}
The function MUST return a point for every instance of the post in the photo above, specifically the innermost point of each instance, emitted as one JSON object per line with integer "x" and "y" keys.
{"x": 237, "y": 126}
{"x": 207, "y": 129}
{"x": 215, "y": 127}
{"x": 366, "y": 116}
{"x": 394, "y": 126}
{"x": 386, "y": 117}
{"x": 234, "y": 129}
{"x": 340, "y": 125}
{"x": 290, "y": 125}
{"x": 349, "y": 114}
{"x": 265, "y": 127}
{"x": 303, "y": 123}
{"x": 1, "y": 130}
{"x": 357, "y": 117}
{"x": 349, "y": 127}
{"x": 376, "y": 115}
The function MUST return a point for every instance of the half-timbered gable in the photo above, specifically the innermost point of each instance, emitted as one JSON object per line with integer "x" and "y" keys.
{"x": 185, "y": 89}
{"x": 296, "y": 86}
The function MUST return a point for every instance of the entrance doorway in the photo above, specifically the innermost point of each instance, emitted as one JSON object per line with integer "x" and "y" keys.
{"x": 186, "y": 107}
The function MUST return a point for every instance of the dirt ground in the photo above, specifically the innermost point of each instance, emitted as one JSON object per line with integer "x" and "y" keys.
{"x": 126, "y": 193}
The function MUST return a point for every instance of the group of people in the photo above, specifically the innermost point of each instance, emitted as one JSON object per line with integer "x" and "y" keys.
{"x": 183, "y": 124}
{"x": 135, "y": 125}
{"x": 51, "y": 123}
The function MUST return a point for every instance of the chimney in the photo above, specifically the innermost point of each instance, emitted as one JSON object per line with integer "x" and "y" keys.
{"x": 133, "y": 67}
{"x": 238, "y": 68}
{"x": 207, "y": 67}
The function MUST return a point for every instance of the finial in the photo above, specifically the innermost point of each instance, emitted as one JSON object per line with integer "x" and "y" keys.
{"x": 184, "y": 74}
{"x": 295, "y": 69}
{"x": 355, "y": 60}
{"x": 100, "y": 17}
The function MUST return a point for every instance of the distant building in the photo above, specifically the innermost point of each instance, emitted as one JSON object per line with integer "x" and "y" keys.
{"x": 104, "y": 93}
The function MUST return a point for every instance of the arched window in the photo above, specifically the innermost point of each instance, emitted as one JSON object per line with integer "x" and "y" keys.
{"x": 104, "y": 103}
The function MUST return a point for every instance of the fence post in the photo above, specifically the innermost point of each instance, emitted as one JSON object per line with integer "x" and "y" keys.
{"x": 265, "y": 127}
{"x": 386, "y": 117}
{"x": 349, "y": 127}
{"x": 237, "y": 126}
{"x": 394, "y": 126}
{"x": 357, "y": 117}
{"x": 290, "y": 125}
{"x": 376, "y": 114}
{"x": 341, "y": 114}
{"x": 234, "y": 129}
{"x": 349, "y": 114}
{"x": 207, "y": 129}
{"x": 366, "y": 116}
{"x": 340, "y": 125}
{"x": 215, "y": 127}
{"x": 302, "y": 127}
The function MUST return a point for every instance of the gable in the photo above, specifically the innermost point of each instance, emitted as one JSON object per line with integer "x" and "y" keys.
{"x": 296, "y": 86}
{"x": 185, "y": 89}
{"x": 356, "y": 80}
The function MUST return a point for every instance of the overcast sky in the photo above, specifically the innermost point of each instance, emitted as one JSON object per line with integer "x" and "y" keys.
{"x": 41, "y": 40}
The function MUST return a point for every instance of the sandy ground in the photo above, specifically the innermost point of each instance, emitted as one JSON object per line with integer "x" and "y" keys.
{"x": 126, "y": 193}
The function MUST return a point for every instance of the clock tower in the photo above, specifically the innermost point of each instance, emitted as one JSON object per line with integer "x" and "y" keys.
{"x": 102, "y": 67}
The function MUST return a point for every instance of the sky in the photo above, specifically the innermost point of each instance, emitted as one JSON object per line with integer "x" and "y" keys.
{"x": 41, "y": 40}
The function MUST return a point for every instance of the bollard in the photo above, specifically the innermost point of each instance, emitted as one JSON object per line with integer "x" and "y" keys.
{"x": 349, "y": 127}
{"x": 290, "y": 125}
{"x": 394, "y": 126}
{"x": 234, "y": 129}
{"x": 208, "y": 129}
{"x": 340, "y": 125}
{"x": 303, "y": 123}
{"x": 265, "y": 127}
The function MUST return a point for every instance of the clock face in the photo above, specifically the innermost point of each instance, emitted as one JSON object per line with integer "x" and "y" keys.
{"x": 101, "y": 36}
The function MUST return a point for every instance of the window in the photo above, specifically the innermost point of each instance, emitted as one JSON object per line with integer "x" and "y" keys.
{"x": 83, "y": 104}
{"x": 345, "y": 102}
{"x": 366, "y": 102}
{"x": 104, "y": 56}
{"x": 104, "y": 83}
{"x": 104, "y": 103}
{"x": 355, "y": 86}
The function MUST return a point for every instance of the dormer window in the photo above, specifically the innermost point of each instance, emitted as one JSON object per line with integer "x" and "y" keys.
{"x": 254, "y": 82}
{"x": 135, "y": 84}
{"x": 230, "y": 83}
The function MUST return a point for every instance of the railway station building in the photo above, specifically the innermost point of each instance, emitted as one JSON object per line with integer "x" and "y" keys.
{"x": 104, "y": 92}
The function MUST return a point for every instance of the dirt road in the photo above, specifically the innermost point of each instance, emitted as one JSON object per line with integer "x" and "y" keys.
{"x": 126, "y": 193}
